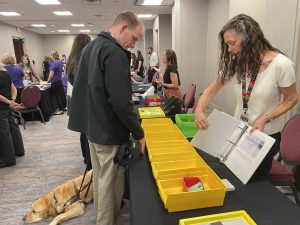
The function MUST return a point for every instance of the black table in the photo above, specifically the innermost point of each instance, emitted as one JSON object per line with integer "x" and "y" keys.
{"x": 261, "y": 200}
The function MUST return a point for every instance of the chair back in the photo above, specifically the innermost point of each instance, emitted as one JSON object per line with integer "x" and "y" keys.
{"x": 31, "y": 97}
{"x": 290, "y": 141}
{"x": 189, "y": 96}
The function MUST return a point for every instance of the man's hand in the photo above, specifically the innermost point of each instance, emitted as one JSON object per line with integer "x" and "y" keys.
{"x": 14, "y": 105}
{"x": 142, "y": 143}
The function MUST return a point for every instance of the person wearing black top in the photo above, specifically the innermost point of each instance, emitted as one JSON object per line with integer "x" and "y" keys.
{"x": 140, "y": 63}
{"x": 80, "y": 41}
{"x": 11, "y": 142}
{"x": 171, "y": 80}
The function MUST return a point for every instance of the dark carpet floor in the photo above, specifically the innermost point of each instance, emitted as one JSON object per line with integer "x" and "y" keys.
{"x": 52, "y": 156}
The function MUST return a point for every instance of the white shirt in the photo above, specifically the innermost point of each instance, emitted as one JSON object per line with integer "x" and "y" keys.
{"x": 153, "y": 59}
{"x": 266, "y": 94}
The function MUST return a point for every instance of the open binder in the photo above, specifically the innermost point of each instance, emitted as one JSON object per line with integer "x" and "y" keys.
{"x": 230, "y": 140}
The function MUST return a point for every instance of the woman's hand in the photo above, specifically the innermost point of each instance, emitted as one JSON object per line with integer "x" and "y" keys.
{"x": 201, "y": 121}
{"x": 259, "y": 124}
{"x": 14, "y": 105}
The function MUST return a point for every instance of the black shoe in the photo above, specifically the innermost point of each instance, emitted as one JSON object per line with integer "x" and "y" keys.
{"x": 2, "y": 165}
{"x": 20, "y": 154}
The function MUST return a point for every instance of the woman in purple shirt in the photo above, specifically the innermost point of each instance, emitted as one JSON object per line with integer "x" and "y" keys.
{"x": 16, "y": 73}
{"x": 54, "y": 78}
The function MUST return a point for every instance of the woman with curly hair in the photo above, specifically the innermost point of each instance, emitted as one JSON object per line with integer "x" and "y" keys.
{"x": 263, "y": 80}
{"x": 16, "y": 74}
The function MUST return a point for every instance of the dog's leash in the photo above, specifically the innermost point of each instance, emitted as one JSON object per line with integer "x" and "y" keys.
{"x": 74, "y": 198}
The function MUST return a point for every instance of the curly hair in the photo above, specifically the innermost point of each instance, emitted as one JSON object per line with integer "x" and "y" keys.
{"x": 8, "y": 59}
{"x": 253, "y": 43}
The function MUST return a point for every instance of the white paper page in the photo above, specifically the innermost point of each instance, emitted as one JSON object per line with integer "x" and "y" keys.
{"x": 248, "y": 154}
{"x": 221, "y": 127}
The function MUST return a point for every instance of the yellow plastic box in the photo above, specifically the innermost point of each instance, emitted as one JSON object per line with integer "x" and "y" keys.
{"x": 176, "y": 199}
{"x": 240, "y": 217}
{"x": 166, "y": 143}
{"x": 160, "y": 128}
{"x": 151, "y": 112}
{"x": 153, "y": 121}
{"x": 169, "y": 136}
{"x": 180, "y": 166}
{"x": 169, "y": 151}
{"x": 158, "y": 155}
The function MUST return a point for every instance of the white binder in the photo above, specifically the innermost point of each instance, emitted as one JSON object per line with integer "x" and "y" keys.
{"x": 230, "y": 140}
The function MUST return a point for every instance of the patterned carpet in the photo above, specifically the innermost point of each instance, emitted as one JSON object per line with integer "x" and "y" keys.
{"x": 52, "y": 156}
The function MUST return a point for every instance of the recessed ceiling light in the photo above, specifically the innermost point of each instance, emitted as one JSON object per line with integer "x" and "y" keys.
{"x": 62, "y": 13}
{"x": 85, "y": 30}
{"x": 48, "y": 2}
{"x": 53, "y": 31}
{"x": 52, "y": 25}
{"x": 77, "y": 25}
{"x": 152, "y": 2}
{"x": 10, "y": 14}
{"x": 144, "y": 15}
{"x": 38, "y": 25}
{"x": 63, "y": 31}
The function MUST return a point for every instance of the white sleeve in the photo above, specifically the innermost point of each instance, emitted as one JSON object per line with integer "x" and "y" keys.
{"x": 286, "y": 74}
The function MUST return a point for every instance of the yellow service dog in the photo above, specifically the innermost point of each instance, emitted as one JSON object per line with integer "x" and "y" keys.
{"x": 61, "y": 203}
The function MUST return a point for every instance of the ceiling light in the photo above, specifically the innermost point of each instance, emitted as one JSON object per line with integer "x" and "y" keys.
{"x": 77, "y": 25}
{"x": 144, "y": 15}
{"x": 62, "y": 13}
{"x": 10, "y": 14}
{"x": 85, "y": 30}
{"x": 63, "y": 31}
{"x": 152, "y": 2}
{"x": 48, "y": 2}
{"x": 52, "y": 25}
{"x": 38, "y": 25}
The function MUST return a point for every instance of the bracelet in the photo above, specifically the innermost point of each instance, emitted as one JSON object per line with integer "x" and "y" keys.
{"x": 269, "y": 118}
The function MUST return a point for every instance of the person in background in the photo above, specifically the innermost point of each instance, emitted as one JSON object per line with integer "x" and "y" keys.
{"x": 16, "y": 74}
{"x": 11, "y": 142}
{"x": 249, "y": 60}
{"x": 153, "y": 62}
{"x": 140, "y": 64}
{"x": 28, "y": 70}
{"x": 64, "y": 61}
{"x": 54, "y": 78}
{"x": 170, "y": 81}
{"x": 101, "y": 108}
{"x": 80, "y": 41}
{"x": 133, "y": 62}
{"x": 46, "y": 66}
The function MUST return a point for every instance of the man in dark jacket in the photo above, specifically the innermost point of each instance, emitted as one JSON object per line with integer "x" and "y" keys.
{"x": 101, "y": 108}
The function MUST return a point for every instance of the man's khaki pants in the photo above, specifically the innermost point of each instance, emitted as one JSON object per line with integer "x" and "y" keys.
{"x": 108, "y": 183}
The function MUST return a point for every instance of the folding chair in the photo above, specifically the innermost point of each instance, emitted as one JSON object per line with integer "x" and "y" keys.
{"x": 30, "y": 98}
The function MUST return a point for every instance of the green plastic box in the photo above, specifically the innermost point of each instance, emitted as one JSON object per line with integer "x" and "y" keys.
{"x": 185, "y": 122}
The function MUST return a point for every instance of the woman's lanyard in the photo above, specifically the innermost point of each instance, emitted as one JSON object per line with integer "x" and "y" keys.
{"x": 246, "y": 94}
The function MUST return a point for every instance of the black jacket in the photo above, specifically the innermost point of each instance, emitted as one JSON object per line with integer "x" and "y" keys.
{"x": 100, "y": 105}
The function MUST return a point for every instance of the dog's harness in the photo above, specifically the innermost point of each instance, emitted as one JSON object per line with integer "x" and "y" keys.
{"x": 76, "y": 197}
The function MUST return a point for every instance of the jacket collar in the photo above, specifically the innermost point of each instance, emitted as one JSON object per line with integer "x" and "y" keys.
{"x": 107, "y": 35}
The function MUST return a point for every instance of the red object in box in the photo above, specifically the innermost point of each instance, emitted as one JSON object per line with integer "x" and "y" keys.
{"x": 152, "y": 100}
{"x": 192, "y": 184}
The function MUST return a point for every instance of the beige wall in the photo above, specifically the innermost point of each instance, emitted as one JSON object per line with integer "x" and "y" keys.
{"x": 190, "y": 40}
{"x": 32, "y": 44}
